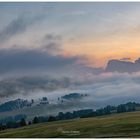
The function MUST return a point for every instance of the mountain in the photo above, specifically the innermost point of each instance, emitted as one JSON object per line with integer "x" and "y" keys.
{"x": 123, "y": 66}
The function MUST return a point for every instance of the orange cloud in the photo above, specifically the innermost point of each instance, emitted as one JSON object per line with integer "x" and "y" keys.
{"x": 100, "y": 50}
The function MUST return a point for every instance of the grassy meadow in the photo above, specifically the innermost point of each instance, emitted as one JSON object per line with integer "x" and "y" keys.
{"x": 115, "y": 125}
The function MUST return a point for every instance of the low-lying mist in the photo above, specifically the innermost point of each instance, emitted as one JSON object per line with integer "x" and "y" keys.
{"x": 103, "y": 89}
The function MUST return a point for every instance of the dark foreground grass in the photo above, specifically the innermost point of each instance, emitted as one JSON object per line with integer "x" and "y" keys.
{"x": 119, "y": 125}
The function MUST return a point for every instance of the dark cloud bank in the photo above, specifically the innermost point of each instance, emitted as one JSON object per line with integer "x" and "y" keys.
{"x": 123, "y": 65}
{"x": 20, "y": 60}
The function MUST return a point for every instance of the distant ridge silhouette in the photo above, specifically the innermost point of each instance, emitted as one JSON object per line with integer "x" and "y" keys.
{"x": 123, "y": 66}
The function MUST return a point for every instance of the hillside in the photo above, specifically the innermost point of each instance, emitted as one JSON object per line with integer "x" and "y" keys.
{"x": 40, "y": 106}
{"x": 116, "y": 125}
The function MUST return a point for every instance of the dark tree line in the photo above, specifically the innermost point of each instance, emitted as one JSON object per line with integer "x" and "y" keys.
{"x": 13, "y": 124}
{"x": 128, "y": 107}
{"x": 16, "y": 118}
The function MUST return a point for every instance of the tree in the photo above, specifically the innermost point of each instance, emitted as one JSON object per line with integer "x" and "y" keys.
{"x": 35, "y": 120}
{"x": 107, "y": 110}
{"x": 61, "y": 115}
{"x": 51, "y": 118}
{"x": 32, "y": 101}
{"x": 29, "y": 123}
{"x": 131, "y": 106}
{"x": 68, "y": 115}
{"x": 121, "y": 108}
{"x": 4, "y": 127}
{"x": 44, "y": 99}
{"x": 100, "y": 112}
{"x": 22, "y": 122}
{"x": 0, "y": 126}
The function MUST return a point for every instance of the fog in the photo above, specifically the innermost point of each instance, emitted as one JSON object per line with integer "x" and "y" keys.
{"x": 103, "y": 89}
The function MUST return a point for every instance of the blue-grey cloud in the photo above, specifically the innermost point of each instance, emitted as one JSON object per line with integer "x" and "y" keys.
{"x": 51, "y": 43}
{"x": 18, "y": 25}
{"x": 26, "y": 85}
{"x": 20, "y": 60}
{"x": 123, "y": 66}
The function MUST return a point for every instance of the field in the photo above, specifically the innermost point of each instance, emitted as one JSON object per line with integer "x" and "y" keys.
{"x": 115, "y": 125}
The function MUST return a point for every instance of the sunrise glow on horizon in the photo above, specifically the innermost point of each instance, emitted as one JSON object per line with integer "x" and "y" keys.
{"x": 97, "y": 31}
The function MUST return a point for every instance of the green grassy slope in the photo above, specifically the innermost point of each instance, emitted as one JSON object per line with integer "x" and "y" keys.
{"x": 117, "y": 125}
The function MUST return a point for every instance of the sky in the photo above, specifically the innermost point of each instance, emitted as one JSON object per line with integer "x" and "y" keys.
{"x": 52, "y": 48}
{"x": 96, "y": 31}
